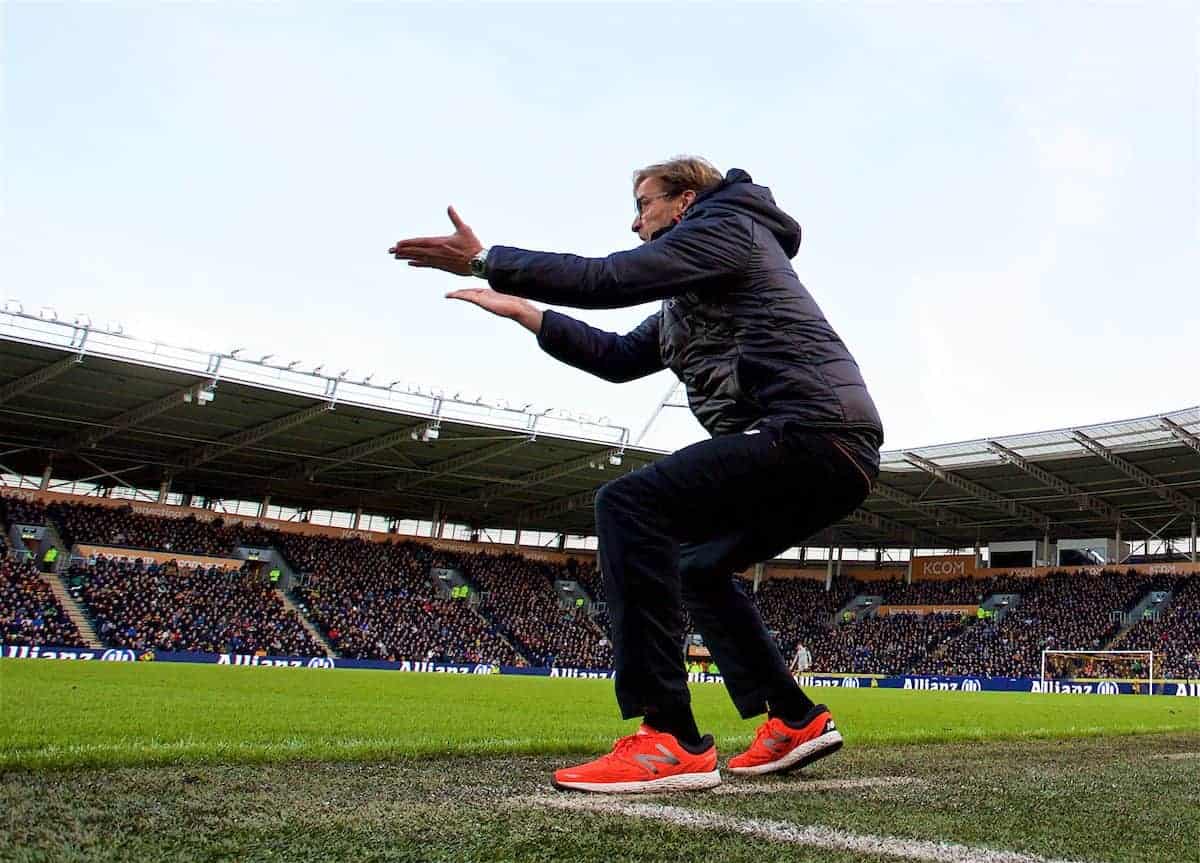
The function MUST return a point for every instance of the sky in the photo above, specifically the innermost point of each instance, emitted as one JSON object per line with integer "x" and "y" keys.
{"x": 999, "y": 201}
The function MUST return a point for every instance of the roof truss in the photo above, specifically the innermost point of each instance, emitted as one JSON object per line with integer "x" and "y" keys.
{"x": 202, "y": 454}
{"x": 314, "y": 466}
{"x": 460, "y": 463}
{"x": 35, "y": 378}
{"x": 134, "y": 417}
{"x": 1085, "y": 500}
{"x": 1183, "y": 504}
{"x": 1006, "y": 505}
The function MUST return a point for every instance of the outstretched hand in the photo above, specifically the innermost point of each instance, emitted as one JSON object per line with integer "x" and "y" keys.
{"x": 451, "y": 253}
{"x": 522, "y": 311}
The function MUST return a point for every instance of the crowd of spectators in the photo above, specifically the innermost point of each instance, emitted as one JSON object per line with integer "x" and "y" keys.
{"x": 380, "y": 600}
{"x": 800, "y": 609}
{"x": 891, "y": 644}
{"x": 98, "y": 524}
{"x": 951, "y": 591}
{"x": 1064, "y": 611}
{"x": 16, "y": 511}
{"x": 1175, "y": 636}
{"x": 377, "y": 600}
{"x": 147, "y": 606}
{"x": 29, "y": 611}
{"x": 519, "y": 595}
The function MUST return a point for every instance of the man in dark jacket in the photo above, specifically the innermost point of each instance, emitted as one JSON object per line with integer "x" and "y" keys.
{"x": 794, "y": 448}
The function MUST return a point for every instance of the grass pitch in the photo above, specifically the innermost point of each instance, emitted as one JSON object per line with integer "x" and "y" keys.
{"x": 187, "y": 762}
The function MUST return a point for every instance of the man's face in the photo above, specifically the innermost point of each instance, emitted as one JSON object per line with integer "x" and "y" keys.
{"x": 656, "y": 208}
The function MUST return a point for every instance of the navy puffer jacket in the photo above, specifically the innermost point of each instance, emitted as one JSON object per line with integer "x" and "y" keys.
{"x": 736, "y": 325}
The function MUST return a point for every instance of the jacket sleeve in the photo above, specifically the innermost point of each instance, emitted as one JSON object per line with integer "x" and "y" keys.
{"x": 696, "y": 254}
{"x": 607, "y": 355}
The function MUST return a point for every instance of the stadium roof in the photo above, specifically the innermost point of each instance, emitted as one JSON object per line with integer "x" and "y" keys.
{"x": 106, "y": 407}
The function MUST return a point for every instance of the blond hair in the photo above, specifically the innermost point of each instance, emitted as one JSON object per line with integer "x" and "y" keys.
{"x": 680, "y": 174}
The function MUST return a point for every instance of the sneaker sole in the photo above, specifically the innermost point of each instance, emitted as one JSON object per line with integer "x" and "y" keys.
{"x": 801, "y": 756}
{"x": 679, "y": 782}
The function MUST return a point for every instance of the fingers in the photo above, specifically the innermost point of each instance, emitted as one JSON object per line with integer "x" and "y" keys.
{"x": 458, "y": 223}
{"x": 417, "y": 244}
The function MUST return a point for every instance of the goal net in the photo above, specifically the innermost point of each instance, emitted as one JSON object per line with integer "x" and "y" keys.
{"x": 1126, "y": 666}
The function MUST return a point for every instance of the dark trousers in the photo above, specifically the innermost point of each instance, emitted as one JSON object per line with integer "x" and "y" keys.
{"x": 676, "y": 532}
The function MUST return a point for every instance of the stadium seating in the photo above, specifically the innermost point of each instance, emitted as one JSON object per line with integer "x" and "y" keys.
{"x": 882, "y": 645}
{"x": 1175, "y": 637}
{"x": 104, "y": 525}
{"x": 14, "y": 511}
{"x": 142, "y": 606}
{"x": 377, "y": 601}
{"x": 1062, "y": 611}
{"x": 519, "y": 596}
{"x": 29, "y": 611}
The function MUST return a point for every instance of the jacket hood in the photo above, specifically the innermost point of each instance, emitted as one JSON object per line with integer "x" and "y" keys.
{"x": 739, "y": 193}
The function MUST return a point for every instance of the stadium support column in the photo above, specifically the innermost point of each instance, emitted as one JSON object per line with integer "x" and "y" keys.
{"x": 164, "y": 488}
{"x": 829, "y": 571}
{"x": 46, "y": 474}
{"x": 262, "y": 507}
{"x": 908, "y": 573}
{"x": 758, "y": 574}
{"x": 1120, "y": 557}
{"x": 838, "y": 571}
{"x": 357, "y": 517}
{"x": 1193, "y": 540}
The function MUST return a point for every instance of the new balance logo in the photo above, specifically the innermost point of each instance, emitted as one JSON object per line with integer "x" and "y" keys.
{"x": 777, "y": 742}
{"x": 649, "y": 761}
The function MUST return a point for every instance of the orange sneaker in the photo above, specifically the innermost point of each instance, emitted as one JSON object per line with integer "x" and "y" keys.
{"x": 647, "y": 761}
{"x": 781, "y": 746}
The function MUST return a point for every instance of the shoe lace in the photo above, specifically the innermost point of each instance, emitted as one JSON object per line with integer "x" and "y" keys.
{"x": 764, "y": 731}
{"x": 623, "y": 745}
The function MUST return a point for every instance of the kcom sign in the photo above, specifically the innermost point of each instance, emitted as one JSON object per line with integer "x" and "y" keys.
{"x": 944, "y": 566}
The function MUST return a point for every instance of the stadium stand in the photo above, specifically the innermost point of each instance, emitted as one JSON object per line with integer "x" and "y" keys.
{"x": 518, "y": 595}
{"x": 956, "y": 591}
{"x": 800, "y": 609}
{"x": 377, "y": 600}
{"x": 1064, "y": 611}
{"x": 29, "y": 611}
{"x": 102, "y": 525}
{"x": 166, "y": 607}
{"x": 1175, "y": 636}
{"x": 884, "y": 645}
{"x": 14, "y": 511}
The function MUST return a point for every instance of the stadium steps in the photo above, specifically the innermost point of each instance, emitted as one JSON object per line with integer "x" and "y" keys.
{"x": 73, "y": 609}
{"x": 504, "y": 636}
{"x": 1160, "y": 600}
{"x": 314, "y": 633}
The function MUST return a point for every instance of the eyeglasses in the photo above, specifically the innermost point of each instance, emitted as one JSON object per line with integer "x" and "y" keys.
{"x": 640, "y": 203}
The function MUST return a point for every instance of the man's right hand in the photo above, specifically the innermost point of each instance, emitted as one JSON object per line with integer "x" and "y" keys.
{"x": 522, "y": 311}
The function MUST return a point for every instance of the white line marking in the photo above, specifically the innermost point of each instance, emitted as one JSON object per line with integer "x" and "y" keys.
{"x": 781, "y": 831}
{"x": 1178, "y": 756}
{"x": 814, "y": 785}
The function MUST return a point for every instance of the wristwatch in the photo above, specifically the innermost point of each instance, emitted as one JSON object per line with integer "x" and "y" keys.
{"x": 479, "y": 263}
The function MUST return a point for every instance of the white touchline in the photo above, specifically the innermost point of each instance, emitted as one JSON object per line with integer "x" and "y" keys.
{"x": 742, "y": 787}
{"x": 781, "y": 831}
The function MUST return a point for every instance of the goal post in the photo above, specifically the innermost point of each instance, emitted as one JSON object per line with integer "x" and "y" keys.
{"x": 1132, "y": 665}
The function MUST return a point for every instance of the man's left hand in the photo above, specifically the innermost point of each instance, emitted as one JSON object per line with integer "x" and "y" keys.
{"x": 451, "y": 253}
